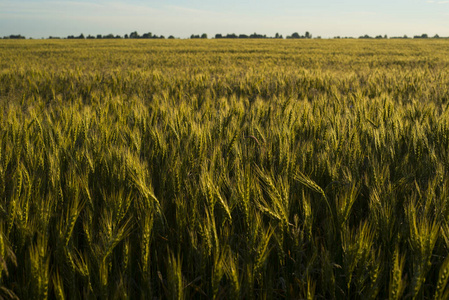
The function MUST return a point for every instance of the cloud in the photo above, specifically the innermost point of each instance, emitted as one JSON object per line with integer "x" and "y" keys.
{"x": 437, "y": 2}
{"x": 188, "y": 10}
{"x": 61, "y": 8}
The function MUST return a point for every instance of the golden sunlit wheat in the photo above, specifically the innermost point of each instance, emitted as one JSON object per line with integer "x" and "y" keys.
{"x": 224, "y": 169}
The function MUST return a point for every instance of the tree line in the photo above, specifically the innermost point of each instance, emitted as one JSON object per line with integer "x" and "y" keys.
{"x": 149, "y": 35}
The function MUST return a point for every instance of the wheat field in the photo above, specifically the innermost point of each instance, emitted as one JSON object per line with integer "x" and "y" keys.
{"x": 198, "y": 169}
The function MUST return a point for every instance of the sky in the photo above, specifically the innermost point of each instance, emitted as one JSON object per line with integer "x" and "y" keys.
{"x": 181, "y": 18}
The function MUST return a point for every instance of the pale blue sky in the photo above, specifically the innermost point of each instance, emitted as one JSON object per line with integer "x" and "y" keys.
{"x": 42, "y": 18}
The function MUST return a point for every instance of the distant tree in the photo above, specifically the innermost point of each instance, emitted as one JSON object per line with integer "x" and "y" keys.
{"x": 243, "y": 36}
{"x": 194, "y": 36}
{"x": 126, "y": 36}
{"x": 162, "y": 37}
{"x": 257, "y": 36}
{"x": 422, "y": 36}
{"x": 171, "y": 37}
{"x": 204, "y": 36}
{"x": 379, "y": 37}
{"x": 81, "y": 36}
{"x": 16, "y": 37}
{"x": 134, "y": 35}
{"x": 385, "y": 36}
{"x": 231, "y": 36}
{"x": 148, "y": 35}
{"x": 99, "y": 36}
{"x": 295, "y": 35}
{"x": 399, "y": 37}
{"x": 218, "y": 36}
{"x": 308, "y": 35}
{"x": 436, "y": 36}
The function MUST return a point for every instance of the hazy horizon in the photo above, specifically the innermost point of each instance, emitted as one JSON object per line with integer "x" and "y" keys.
{"x": 181, "y": 18}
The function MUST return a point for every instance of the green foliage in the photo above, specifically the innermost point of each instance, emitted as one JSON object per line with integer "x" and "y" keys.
{"x": 223, "y": 169}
